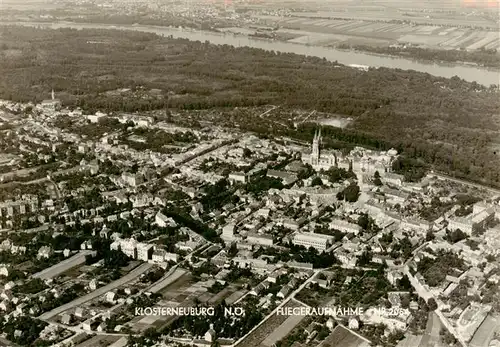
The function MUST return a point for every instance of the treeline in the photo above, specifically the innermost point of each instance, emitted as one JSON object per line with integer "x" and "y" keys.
{"x": 482, "y": 57}
{"x": 184, "y": 219}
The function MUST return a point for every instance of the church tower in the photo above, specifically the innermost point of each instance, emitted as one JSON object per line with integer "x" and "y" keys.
{"x": 315, "y": 148}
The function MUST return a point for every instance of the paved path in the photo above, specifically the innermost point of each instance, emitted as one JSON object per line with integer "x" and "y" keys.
{"x": 424, "y": 293}
{"x": 307, "y": 117}
{"x": 63, "y": 266}
{"x": 132, "y": 275}
{"x": 266, "y": 112}
{"x": 173, "y": 275}
{"x": 283, "y": 303}
{"x": 431, "y": 337}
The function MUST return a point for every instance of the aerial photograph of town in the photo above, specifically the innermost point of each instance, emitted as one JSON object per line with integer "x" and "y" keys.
{"x": 250, "y": 173}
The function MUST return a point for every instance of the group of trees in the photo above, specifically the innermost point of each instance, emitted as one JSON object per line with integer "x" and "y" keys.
{"x": 435, "y": 270}
{"x": 337, "y": 174}
{"x": 401, "y": 249}
{"x": 183, "y": 218}
{"x": 465, "y": 201}
{"x": 420, "y": 316}
{"x": 217, "y": 195}
{"x": 412, "y": 169}
{"x": 218, "y": 166}
{"x": 455, "y": 236}
{"x": 326, "y": 230}
{"x": 157, "y": 141}
{"x": 87, "y": 200}
{"x": 299, "y": 254}
{"x": 350, "y": 193}
{"x": 33, "y": 286}
{"x": 446, "y": 337}
{"x": 376, "y": 179}
{"x": 367, "y": 223}
{"x": 364, "y": 258}
{"x": 68, "y": 294}
{"x": 261, "y": 184}
{"x": 365, "y": 290}
{"x": 30, "y": 329}
{"x": 113, "y": 260}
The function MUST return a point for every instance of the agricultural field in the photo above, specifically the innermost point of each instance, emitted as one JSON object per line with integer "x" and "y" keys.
{"x": 342, "y": 337}
{"x": 99, "y": 340}
{"x": 283, "y": 330}
{"x": 446, "y": 25}
{"x": 282, "y": 323}
{"x": 489, "y": 327}
{"x": 332, "y": 32}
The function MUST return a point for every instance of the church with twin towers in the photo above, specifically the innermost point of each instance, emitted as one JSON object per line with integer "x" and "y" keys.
{"x": 360, "y": 160}
{"x": 317, "y": 158}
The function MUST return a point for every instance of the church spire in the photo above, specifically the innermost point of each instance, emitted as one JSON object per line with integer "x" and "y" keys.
{"x": 315, "y": 149}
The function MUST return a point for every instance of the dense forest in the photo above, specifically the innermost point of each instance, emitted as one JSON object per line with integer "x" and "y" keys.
{"x": 450, "y": 123}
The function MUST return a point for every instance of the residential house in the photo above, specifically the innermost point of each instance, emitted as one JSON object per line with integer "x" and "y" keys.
{"x": 210, "y": 335}
{"x": 45, "y": 252}
{"x": 163, "y": 221}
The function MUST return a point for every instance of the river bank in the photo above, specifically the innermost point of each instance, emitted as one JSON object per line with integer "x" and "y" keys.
{"x": 495, "y": 67}
{"x": 479, "y": 75}
{"x": 410, "y": 53}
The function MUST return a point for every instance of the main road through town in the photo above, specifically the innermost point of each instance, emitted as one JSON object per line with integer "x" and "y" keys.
{"x": 132, "y": 275}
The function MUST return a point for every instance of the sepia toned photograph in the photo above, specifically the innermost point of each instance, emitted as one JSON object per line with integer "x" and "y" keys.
{"x": 249, "y": 173}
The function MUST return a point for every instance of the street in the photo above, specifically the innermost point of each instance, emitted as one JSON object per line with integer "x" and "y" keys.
{"x": 132, "y": 275}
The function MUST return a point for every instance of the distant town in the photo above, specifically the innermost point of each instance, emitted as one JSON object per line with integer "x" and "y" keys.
{"x": 115, "y": 227}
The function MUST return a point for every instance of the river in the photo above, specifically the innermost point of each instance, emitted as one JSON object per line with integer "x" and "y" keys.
{"x": 480, "y": 75}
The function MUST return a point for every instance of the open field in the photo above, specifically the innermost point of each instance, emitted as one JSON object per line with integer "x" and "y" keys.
{"x": 410, "y": 340}
{"x": 478, "y": 13}
{"x": 177, "y": 287}
{"x": 395, "y": 14}
{"x": 261, "y": 336}
{"x": 172, "y": 278}
{"x": 444, "y": 25}
{"x": 486, "y": 331}
{"x": 29, "y": 5}
{"x": 342, "y": 337}
{"x": 331, "y": 32}
{"x": 283, "y": 330}
{"x": 99, "y": 340}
